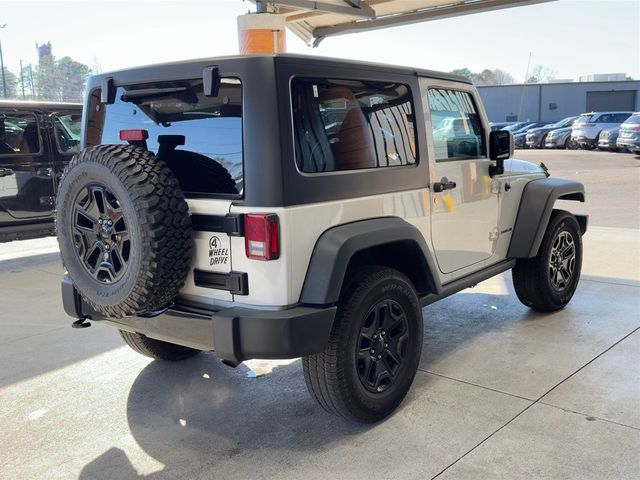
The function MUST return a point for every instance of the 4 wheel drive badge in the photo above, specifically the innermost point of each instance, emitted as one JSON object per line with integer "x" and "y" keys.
{"x": 218, "y": 255}
{"x": 214, "y": 242}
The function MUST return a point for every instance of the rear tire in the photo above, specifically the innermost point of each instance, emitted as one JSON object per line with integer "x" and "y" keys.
{"x": 157, "y": 349}
{"x": 371, "y": 358}
{"x": 548, "y": 281}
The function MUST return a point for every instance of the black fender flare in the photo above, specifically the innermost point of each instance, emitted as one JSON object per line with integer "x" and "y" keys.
{"x": 536, "y": 207}
{"x": 336, "y": 246}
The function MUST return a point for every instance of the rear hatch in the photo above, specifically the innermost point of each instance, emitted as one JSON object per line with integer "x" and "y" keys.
{"x": 200, "y": 139}
{"x": 630, "y": 129}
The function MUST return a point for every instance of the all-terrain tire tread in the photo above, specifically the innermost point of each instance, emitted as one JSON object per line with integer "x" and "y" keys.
{"x": 165, "y": 225}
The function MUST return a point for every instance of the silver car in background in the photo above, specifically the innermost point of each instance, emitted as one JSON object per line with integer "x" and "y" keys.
{"x": 588, "y": 126}
{"x": 536, "y": 137}
{"x": 607, "y": 139}
{"x": 629, "y": 136}
{"x": 560, "y": 138}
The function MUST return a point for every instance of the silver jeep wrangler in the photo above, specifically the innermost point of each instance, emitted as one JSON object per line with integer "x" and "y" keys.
{"x": 284, "y": 206}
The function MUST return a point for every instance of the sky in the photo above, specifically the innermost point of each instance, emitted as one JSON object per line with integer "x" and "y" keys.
{"x": 572, "y": 37}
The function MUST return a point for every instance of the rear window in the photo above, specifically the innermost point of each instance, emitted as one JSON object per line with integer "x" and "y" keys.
{"x": 352, "y": 124}
{"x": 184, "y": 126}
{"x": 633, "y": 119}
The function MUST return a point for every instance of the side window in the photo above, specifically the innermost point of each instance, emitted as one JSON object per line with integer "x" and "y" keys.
{"x": 605, "y": 118}
{"x": 67, "y": 131}
{"x": 456, "y": 125}
{"x": 352, "y": 124}
{"x": 19, "y": 135}
{"x": 621, "y": 117}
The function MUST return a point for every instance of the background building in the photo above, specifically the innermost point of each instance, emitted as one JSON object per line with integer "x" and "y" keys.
{"x": 550, "y": 102}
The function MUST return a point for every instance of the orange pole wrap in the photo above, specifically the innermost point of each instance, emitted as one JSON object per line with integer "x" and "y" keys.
{"x": 261, "y": 40}
{"x": 262, "y": 33}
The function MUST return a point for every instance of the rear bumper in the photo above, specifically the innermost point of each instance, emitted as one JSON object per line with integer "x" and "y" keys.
{"x": 235, "y": 334}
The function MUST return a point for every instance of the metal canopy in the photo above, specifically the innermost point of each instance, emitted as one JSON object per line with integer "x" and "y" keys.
{"x": 314, "y": 20}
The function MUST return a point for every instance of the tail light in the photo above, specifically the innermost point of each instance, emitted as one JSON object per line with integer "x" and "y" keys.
{"x": 261, "y": 236}
{"x": 133, "y": 135}
{"x": 584, "y": 125}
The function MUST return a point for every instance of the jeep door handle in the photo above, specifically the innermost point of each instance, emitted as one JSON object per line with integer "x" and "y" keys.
{"x": 5, "y": 172}
{"x": 443, "y": 184}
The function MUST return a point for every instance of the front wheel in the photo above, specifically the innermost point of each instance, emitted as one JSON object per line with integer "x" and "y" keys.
{"x": 548, "y": 281}
{"x": 371, "y": 358}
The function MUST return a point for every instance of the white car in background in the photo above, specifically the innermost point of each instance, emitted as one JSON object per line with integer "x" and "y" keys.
{"x": 587, "y": 128}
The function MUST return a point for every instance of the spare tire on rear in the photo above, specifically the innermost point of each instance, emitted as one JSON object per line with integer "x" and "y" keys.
{"x": 124, "y": 229}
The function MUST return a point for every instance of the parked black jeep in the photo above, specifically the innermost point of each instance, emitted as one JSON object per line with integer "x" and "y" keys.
{"x": 37, "y": 140}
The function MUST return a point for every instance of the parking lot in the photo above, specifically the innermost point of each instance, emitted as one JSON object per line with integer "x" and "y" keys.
{"x": 502, "y": 392}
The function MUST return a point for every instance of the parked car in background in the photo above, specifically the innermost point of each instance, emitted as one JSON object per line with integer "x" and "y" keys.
{"x": 607, "y": 139}
{"x": 519, "y": 136}
{"x": 629, "y": 136}
{"x": 589, "y": 125}
{"x": 516, "y": 126}
{"x": 37, "y": 140}
{"x": 536, "y": 136}
{"x": 560, "y": 138}
{"x": 499, "y": 125}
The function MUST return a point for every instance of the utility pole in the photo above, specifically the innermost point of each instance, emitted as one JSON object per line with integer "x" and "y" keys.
{"x": 22, "y": 80}
{"x": 33, "y": 90}
{"x": 4, "y": 80}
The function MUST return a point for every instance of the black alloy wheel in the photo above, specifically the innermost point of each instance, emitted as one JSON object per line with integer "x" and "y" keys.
{"x": 100, "y": 233}
{"x": 382, "y": 345}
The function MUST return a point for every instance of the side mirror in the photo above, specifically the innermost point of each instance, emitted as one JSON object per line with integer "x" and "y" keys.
{"x": 501, "y": 148}
{"x": 210, "y": 81}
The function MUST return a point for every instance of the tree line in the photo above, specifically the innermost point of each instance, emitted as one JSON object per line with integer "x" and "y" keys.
{"x": 538, "y": 74}
{"x": 59, "y": 80}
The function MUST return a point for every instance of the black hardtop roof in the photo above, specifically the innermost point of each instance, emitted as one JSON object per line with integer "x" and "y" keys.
{"x": 284, "y": 58}
{"x": 37, "y": 105}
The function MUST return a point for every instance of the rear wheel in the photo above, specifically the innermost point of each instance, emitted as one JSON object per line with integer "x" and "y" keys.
{"x": 371, "y": 358}
{"x": 548, "y": 281}
{"x": 157, "y": 349}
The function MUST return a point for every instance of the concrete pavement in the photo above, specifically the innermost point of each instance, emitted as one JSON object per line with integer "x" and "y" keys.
{"x": 502, "y": 392}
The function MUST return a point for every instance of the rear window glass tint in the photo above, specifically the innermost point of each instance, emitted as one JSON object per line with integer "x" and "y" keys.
{"x": 633, "y": 119}
{"x": 211, "y": 127}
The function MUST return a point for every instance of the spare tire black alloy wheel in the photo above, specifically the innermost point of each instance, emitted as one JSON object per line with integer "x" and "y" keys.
{"x": 124, "y": 230}
{"x": 100, "y": 233}
{"x": 382, "y": 345}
